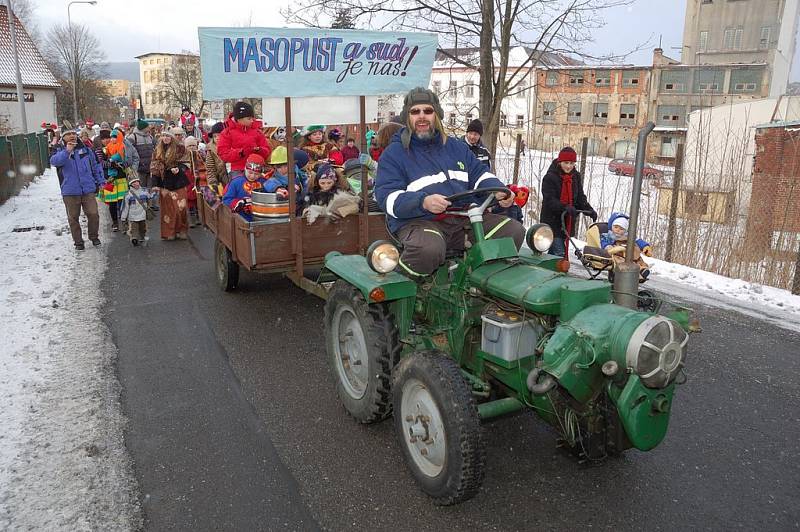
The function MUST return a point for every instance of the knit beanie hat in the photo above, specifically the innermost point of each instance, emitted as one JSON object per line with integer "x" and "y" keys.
{"x": 567, "y": 154}
{"x": 176, "y": 131}
{"x": 134, "y": 180}
{"x": 190, "y": 141}
{"x": 141, "y": 125}
{"x": 476, "y": 126}
{"x": 419, "y": 96}
{"x": 300, "y": 157}
{"x": 242, "y": 110}
{"x": 104, "y": 134}
{"x": 310, "y": 129}
{"x": 620, "y": 221}
{"x": 255, "y": 162}
{"x": 216, "y": 129}
{"x": 104, "y": 126}
{"x": 324, "y": 171}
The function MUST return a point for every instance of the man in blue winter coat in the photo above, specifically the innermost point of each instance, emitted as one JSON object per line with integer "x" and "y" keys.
{"x": 80, "y": 175}
{"x": 417, "y": 171}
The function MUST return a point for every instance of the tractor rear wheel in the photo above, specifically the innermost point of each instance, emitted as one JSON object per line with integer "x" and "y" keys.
{"x": 363, "y": 347}
{"x": 225, "y": 267}
{"x": 436, "y": 419}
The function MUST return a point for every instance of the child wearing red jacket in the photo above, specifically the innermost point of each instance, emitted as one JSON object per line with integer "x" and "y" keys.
{"x": 241, "y": 137}
{"x": 239, "y": 192}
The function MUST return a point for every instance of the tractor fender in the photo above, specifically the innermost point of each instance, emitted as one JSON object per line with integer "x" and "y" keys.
{"x": 355, "y": 270}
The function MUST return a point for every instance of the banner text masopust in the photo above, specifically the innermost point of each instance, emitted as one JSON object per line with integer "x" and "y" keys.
{"x": 270, "y": 62}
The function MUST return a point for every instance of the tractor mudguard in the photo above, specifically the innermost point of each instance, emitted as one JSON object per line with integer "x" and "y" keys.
{"x": 355, "y": 270}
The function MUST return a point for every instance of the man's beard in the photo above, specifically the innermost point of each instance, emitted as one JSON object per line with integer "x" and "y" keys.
{"x": 425, "y": 135}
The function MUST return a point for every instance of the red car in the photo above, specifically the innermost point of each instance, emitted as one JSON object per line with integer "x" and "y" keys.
{"x": 626, "y": 166}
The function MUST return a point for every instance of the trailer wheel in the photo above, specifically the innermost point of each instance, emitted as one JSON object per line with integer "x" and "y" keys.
{"x": 363, "y": 347}
{"x": 436, "y": 419}
{"x": 225, "y": 267}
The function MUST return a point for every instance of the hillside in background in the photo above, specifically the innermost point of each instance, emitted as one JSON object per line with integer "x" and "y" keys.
{"x": 123, "y": 70}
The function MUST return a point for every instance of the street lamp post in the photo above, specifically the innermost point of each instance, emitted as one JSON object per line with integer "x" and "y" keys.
{"x": 17, "y": 73}
{"x": 74, "y": 57}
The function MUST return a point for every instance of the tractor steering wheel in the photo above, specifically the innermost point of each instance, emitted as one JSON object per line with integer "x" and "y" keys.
{"x": 491, "y": 201}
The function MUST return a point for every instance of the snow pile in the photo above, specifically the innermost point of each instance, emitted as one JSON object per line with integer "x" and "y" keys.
{"x": 63, "y": 463}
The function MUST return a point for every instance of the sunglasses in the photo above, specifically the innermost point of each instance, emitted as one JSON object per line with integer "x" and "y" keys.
{"x": 426, "y": 110}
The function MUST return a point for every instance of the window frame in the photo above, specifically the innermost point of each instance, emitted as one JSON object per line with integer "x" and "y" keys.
{"x": 572, "y": 117}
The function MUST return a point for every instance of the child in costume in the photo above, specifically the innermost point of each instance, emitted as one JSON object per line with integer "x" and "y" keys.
{"x": 110, "y": 152}
{"x": 134, "y": 211}
{"x": 241, "y": 137}
{"x": 314, "y": 145}
{"x": 279, "y": 182}
{"x": 239, "y": 192}
{"x": 514, "y": 211}
{"x": 328, "y": 194}
{"x": 615, "y": 240}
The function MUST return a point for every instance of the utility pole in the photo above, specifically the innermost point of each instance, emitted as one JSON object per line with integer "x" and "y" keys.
{"x": 673, "y": 204}
{"x": 12, "y": 28}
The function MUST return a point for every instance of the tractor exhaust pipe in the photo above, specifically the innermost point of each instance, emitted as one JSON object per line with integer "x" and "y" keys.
{"x": 626, "y": 275}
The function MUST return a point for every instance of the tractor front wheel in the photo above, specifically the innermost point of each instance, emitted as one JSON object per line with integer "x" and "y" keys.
{"x": 363, "y": 347}
{"x": 227, "y": 269}
{"x": 436, "y": 419}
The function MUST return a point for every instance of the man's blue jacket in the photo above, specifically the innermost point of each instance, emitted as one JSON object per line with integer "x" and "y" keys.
{"x": 406, "y": 176}
{"x": 79, "y": 172}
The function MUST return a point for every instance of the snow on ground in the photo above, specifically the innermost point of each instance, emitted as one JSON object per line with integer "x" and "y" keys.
{"x": 63, "y": 463}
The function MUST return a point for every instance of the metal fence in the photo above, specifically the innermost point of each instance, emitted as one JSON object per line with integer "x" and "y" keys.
{"x": 22, "y": 157}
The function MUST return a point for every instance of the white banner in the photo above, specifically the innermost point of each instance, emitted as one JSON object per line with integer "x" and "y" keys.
{"x": 319, "y": 110}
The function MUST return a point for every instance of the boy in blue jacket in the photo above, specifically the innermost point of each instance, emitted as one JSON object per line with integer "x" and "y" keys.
{"x": 417, "y": 171}
{"x": 80, "y": 176}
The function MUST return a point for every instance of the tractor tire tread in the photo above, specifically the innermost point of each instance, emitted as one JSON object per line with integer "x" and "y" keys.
{"x": 381, "y": 329}
{"x": 463, "y": 411}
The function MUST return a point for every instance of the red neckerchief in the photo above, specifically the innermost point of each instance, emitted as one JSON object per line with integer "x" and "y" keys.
{"x": 250, "y": 186}
{"x": 566, "y": 199}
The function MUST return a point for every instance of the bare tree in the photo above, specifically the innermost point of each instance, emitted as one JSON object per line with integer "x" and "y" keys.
{"x": 75, "y": 54}
{"x": 486, "y": 30}
{"x": 25, "y": 10}
{"x": 183, "y": 85}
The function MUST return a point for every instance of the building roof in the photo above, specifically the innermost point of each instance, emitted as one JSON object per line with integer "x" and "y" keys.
{"x": 518, "y": 55}
{"x": 165, "y": 53}
{"x": 779, "y": 123}
{"x": 32, "y": 66}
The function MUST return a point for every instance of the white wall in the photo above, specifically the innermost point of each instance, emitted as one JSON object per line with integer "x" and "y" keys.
{"x": 784, "y": 49}
{"x": 42, "y": 109}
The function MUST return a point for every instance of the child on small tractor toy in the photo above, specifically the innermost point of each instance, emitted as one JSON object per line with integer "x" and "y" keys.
{"x": 605, "y": 246}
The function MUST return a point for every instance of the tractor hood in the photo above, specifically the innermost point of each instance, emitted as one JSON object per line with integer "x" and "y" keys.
{"x": 537, "y": 289}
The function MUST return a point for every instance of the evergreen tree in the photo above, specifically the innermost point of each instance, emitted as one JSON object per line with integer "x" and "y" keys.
{"x": 343, "y": 20}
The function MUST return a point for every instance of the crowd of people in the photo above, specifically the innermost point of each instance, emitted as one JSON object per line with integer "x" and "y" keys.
{"x": 412, "y": 164}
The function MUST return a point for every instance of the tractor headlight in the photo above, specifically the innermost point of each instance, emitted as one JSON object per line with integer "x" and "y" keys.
{"x": 539, "y": 237}
{"x": 383, "y": 256}
{"x": 656, "y": 351}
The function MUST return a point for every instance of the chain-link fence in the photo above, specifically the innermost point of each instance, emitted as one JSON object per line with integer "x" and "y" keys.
{"x": 712, "y": 215}
{"x": 22, "y": 157}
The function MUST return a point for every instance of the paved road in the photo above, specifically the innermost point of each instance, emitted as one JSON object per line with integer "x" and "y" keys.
{"x": 235, "y": 424}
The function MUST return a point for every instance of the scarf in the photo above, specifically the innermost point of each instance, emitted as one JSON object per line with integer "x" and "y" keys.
{"x": 567, "y": 199}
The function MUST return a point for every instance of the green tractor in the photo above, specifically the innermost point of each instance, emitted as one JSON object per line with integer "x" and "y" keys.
{"x": 496, "y": 331}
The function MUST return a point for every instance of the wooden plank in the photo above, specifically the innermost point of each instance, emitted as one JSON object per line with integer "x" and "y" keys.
{"x": 294, "y": 221}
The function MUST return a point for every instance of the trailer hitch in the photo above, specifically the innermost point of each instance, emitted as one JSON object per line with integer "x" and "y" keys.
{"x": 539, "y": 388}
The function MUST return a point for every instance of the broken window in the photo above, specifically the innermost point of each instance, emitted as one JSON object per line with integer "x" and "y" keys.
{"x": 671, "y": 115}
{"x": 602, "y": 78}
{"x": 574, "y": 112}
{"x": 576, "y": 78}
{"x": 709, "y": 80}
{"x": 746, "y": 80}
{"x": 548, "y": 111}
{"x": 600, "y": 113}
{"x": 630, "y": 78}
{"x": 675, "y": 81}
{"x": 627, "y": 114}
{"x": 552, "y": 78}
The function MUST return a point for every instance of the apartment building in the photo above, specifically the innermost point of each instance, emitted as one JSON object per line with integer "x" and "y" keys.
{"x": 160, "y": 74}
{"x": 723, "y": 32}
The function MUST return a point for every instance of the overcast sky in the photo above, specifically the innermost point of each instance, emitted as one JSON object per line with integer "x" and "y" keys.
{"x": 128, "y": 28}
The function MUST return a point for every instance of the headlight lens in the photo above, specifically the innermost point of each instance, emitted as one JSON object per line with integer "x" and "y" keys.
{"x": 656, "y": 351}
{"x": 539, "y": 237}
{"x": 383, "y": 257}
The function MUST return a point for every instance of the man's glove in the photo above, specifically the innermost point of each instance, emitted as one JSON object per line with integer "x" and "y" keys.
{"x": 571, "y": 211}
{"x": 243, "y": 205}
{"x": 593, "y": 215}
